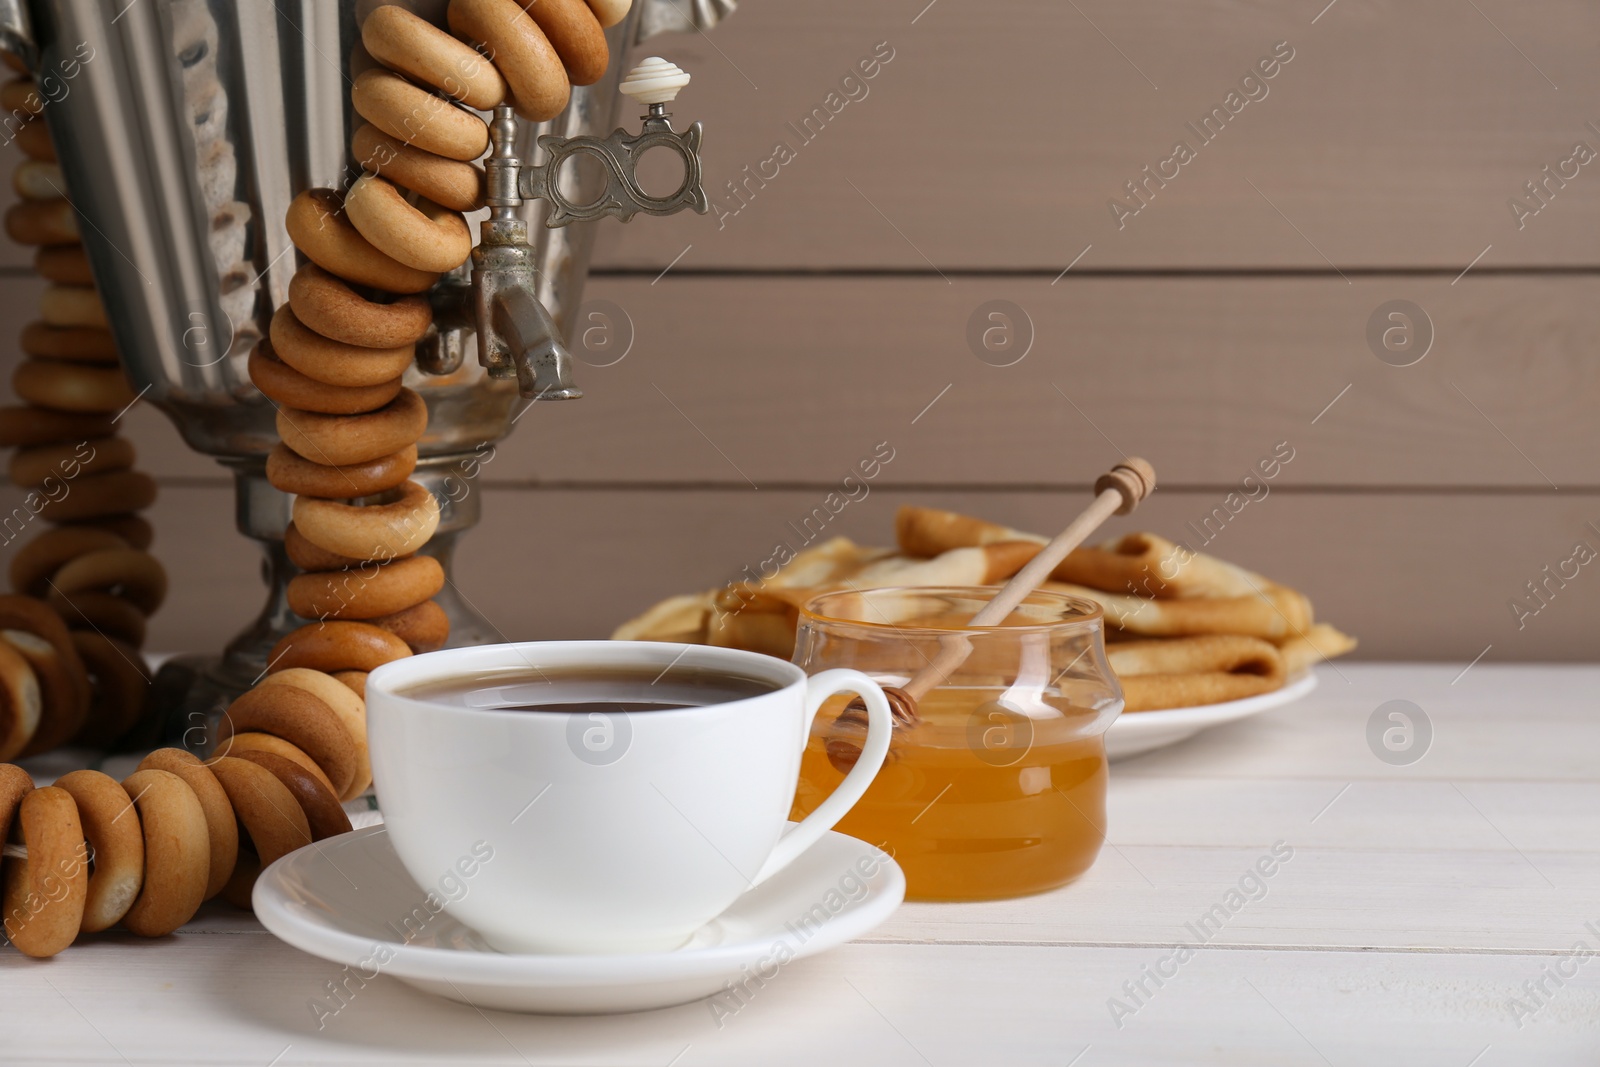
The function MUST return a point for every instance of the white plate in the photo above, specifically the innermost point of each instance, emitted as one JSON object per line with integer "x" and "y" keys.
{"x": 1143, "y": 731}
{"x": 344, "y": 899}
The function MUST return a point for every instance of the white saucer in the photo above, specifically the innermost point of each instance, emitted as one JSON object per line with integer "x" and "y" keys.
{"x": 307, "y": 898}
{"x": 1143, "y": 731}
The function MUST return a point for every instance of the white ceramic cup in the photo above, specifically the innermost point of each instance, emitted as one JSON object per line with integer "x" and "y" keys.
{"x": 609, "y": 833}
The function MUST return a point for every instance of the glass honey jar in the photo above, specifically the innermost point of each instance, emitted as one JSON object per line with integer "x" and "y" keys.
{"x": 995, "y": 784}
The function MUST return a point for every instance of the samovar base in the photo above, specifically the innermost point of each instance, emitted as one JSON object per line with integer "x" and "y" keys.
{"x": 191, "y": 691}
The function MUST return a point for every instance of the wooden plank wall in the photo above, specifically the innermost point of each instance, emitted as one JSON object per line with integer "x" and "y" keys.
{"x": 828, "y": 307}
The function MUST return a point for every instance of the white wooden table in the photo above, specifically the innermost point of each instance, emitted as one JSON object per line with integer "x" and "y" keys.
{"x": 1419, "y": 903}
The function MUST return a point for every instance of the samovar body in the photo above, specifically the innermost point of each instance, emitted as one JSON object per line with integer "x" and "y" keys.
{"x": 184, "y": 128}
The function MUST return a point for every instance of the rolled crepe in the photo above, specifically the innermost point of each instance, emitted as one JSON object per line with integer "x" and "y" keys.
{"x": 1185, "y": 671}
{"x": 1231, "y": 653}
{"x": 1137, "y": 564}
{"x": 823, "y": 564}
{"x": 978, "y": 565}
{"x": 928, "y": 532}
{"x": 680, "y": 618}
{"x": 693, "y": 617}
{"x": 763, "y": 616}
{"x": 1277, "y": 613}
{"x": 1161, "y": 692}
{"x": 756, "y": 619}
{"x": 1145, "y": 564}
{"x": 1318, "y": 643}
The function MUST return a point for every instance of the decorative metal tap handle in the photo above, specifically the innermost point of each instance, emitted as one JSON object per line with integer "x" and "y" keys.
{"x": 655, "y": 82}
{"x": 516, "y": 336}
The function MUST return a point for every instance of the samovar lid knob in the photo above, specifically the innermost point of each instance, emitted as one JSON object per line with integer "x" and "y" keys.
{"x": 655, "y": 81}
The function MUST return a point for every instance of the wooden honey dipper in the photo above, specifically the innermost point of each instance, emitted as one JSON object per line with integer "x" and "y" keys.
{"x": 1117, "y": 492}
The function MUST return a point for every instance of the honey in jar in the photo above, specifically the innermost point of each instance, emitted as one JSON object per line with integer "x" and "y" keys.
{"x": 998, "y": 787}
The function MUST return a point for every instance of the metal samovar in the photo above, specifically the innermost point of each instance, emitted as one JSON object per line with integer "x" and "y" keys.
{"x": 185, "y": 129}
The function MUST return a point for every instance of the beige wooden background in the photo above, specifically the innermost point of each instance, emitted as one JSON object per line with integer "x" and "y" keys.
{"x": 776, "y": 347}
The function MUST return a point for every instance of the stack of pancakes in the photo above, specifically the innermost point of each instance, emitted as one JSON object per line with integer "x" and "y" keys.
{"x": 1183, "y": 628}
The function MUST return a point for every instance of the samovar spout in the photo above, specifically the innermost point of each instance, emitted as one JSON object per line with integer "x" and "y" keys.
{"x": 543, "y": 366}
{"x": 517, "y": 338}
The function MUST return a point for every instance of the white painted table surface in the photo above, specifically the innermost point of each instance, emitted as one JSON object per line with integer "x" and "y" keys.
{"x": 1418, "y": 902}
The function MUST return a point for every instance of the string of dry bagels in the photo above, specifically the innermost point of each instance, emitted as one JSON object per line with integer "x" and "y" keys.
{"x": 337, "y": 351}
{"x": 70, "y": 666}
{"x": 89, "y": 852}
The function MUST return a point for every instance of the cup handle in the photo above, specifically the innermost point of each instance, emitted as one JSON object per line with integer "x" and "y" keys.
{"x": 820, "y": 687}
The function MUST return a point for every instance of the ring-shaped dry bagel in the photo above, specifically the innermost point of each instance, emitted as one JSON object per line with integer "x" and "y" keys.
{"x": 318, "y": 227}
{"x": 40, "y": 636}
{"x": 349, "y": 709}
{"x": 74, "y": 387}
{"x": 72, "y": 305}
{"x": 134, "y": 529}
{"x": 312, "y": 558}
{"x": 43, "y": 222}
{"x": 373, "y": 531}
{"x": 63, "y": 264}
{"x": 35, "y": 179}
{"x": 522, "y": 53}
{"x": 328, "y": 307}
{"x": 447, "y": 182}
{"x": 74, "y": 344}
{"x": 63, "y": 686}
{"x": 44, "y": 894}
{"x": 77, "y": 344}
{"x": 25, "y": 425}
{"x": 21, "y": 95}
{"x": 253, "y": 741}
{"x": 33, "y": 465}
{"x": 15, "y": 783}
{"x": 325, "y": 816}
{"x": 333, "y": 362}
{"x": 222, "y": 828}
{"x": 423, "y": 627}
{"x": 284, "y": 385}
{"x": 576, "y": 35}
{"x": 243, "y": 880}
{"x": 300, "y": 718}
{"x": 332, "y": 647}
{"x": 412, "y": 114}
{"x": 427, "y": 236}
{"x": 102, "y": 612}
{"x": 355, "y": 681}
{"x": 177, "y": 852}
{"x": 112, "y": 829}
{"x": 21, "y": 703}
{"x": 420, "y": 50}
{"x": 118, "y": 684}
{"x": 293, "y": 473}
{"x": 271, "y": 817}
{"x": 95, "y": 496}
{"x": 36, "y": 562}
{"x": 34, "y": 140}
{"x": 366, "y": 592}
{"x": 343, "y": 440}
{"x": 135, "y": 576}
